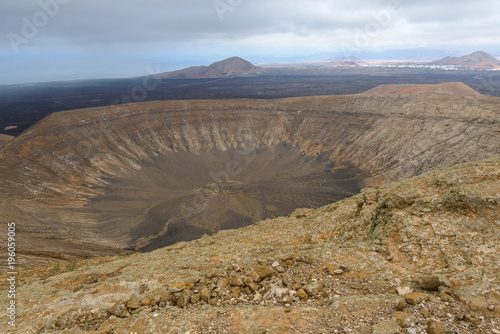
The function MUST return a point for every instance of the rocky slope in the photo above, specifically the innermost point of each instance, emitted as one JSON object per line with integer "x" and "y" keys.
{"x": 418, "y": 256}
{"x": 4, "y": 139}
{"x": 448, "y": 88}
{"x": 96, "y": 181}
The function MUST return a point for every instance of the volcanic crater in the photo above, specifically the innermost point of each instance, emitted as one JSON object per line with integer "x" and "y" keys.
{"x": 143, "y": 176}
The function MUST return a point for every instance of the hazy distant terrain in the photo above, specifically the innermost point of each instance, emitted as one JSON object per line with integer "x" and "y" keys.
{"x": 22, "y": 106}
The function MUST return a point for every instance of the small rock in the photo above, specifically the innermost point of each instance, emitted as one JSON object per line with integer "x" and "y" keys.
{"x": 444, "y": 289}
{"x": 184, "y": 298}
{"x": 165, "y": 297}
{"x": 386, "y": 327}
{"x": 491, "y": 307}
{"x": 275, "y": 264}
{"x": 280, "y": 269}
{"x": 446, "y": 297}
{"x": 143, "y": 288}
{"x": 125, "y": 314}
{"x": 289, "y": 262}
{"x": 177, "y": 287}
{"x": 211, "y": 274}
{"x": 253, "y": 287}
{"x": 257, "y": 297}
{"x": 313, "y": 289}
{"x": 195, "y": 298}
{"x": 309, "y": 260}
{"x": 425, "y": 313}
{"x": 281, "y": 292}
{"x": 205, "y": 294}
{"x": 356, "y": 286}
{"x": 263, "y": 271}
{"x": 145, "y": 302}
{"x": 416, "y": 298}
{"x": 236, "y": 281}
{"x": 495, "y": 331}
{"x": 346, "y": 267}
{"x": 133, "y": 303}
{"x": 253, "y": 275}
{"x": 471, "y": 320}
{"x": 432, "y": 282}
{"x": 401, "y": 305}
{"x": 338, "y": 272}
{"x": 94, "y": 311}
{"x": 235, "y": 292}
{"x": 301, "y": 294}
{"x": 404, "y": 319}
{"x": 247, "y": 280}
{"x": 435, "y": 327}
{"x": 156, "y": 300}
{"x": 117, "y": 309}
{"x": 403, "y": 291}
{"x": 411, "y": 330}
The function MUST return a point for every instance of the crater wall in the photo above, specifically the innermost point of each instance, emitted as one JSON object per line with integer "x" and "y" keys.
{"x": 144, "y": 175}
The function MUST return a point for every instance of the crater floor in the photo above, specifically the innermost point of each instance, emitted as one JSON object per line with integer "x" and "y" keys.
{"x": 181, "y": 196}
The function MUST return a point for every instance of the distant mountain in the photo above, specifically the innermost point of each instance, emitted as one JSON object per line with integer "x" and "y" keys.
{"x": 473, "y": 58}
{"x": 414, "y": 54}
{"x": 231, "y": 67}
{"x": 344, "y": 63}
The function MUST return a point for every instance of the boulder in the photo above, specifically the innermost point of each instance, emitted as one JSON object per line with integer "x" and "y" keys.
{"x": 416, "y": 298}
{"x": 263, "y": 271}
{"x": 133, "y": 303}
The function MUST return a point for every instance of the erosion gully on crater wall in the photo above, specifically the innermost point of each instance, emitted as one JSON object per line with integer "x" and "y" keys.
{"x": 146, "y": 175}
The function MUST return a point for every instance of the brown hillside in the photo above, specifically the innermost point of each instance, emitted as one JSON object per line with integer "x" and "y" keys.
{"x": 418, "y": 256}
{"x": 448, "y": 88}
{"x": 4, "y": 139}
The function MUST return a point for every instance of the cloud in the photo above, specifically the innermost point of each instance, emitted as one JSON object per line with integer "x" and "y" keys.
{"x": 106, "y": 22}
{"x": 150, "y": 28}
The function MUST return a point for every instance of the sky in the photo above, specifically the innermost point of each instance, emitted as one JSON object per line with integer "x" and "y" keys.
{"x": 47, "y": 40}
